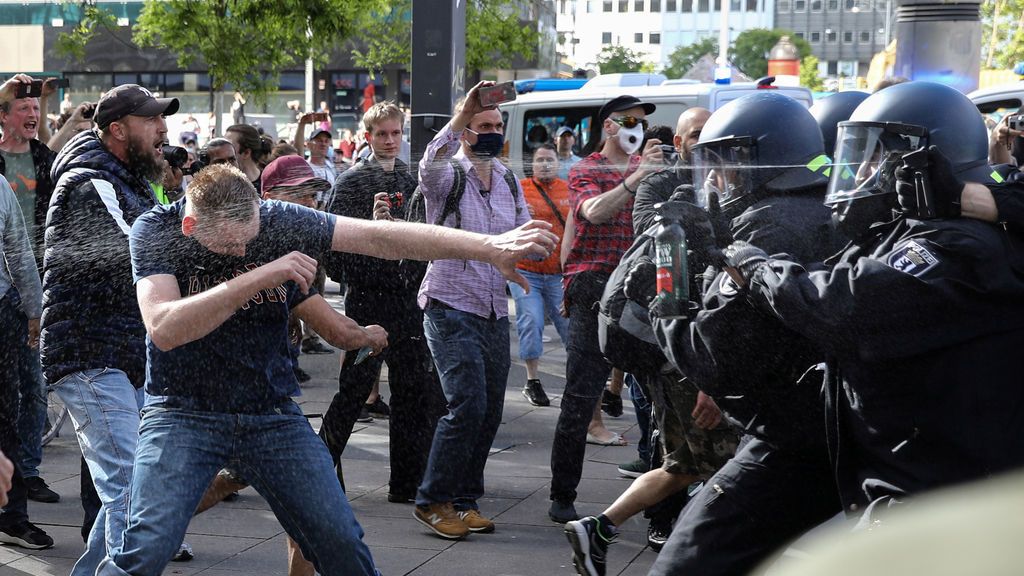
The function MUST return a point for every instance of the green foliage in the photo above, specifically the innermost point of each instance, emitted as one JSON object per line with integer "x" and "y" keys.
{"x": 809, "y": 74}
{"x": 391, "y": 41}
{"x": 684, "y": 57}
{"x": 248, "y": 42}
{"x": 749, "y": 52}
{"x": 72, "y": 44}
{"x": 1002, "y": 33}
{"x": 494, "y": 35}
{"x": 616, "y": 59}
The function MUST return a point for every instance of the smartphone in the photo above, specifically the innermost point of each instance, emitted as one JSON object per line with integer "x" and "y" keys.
{"x": 320, "y": 116}
{"x": 57, "y": 83}
{"x": 497, "y": 94}
{"x": 1015, "y": 122}
{"x": 33, "y": 90}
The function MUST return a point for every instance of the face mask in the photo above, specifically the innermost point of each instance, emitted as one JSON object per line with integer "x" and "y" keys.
{"x": 631, "y": 138}
{"x": 488, "y": 145}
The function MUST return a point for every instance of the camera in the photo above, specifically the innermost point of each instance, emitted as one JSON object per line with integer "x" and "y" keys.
{"x": 1015, "y": 122}
{"x": 176, "y": 156}
{"x": 669, "y": 153}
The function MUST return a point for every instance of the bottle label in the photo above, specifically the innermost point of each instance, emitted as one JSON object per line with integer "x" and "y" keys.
{"x": 664, "y": 280}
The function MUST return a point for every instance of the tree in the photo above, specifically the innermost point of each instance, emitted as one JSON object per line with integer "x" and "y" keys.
{"x": 1003, "y": 30}
{"x": 809, "y": 74}
{"x": 749, "y": 52}
{"x": 615, "y": 59}
{"x": 391, "y": 42}
{"x": 684, "y": 57}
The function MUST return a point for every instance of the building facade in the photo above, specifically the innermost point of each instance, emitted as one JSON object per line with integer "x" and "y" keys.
{"x": 844, "y": 34}
{"x": 654, "y": 27}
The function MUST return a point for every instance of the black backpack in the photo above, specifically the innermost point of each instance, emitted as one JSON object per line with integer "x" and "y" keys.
{"x": 416, "y": 208}
{"x": 623, "y": 326}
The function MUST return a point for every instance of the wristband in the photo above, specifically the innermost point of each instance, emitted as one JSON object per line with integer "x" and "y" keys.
{"x": 626, "y": 188}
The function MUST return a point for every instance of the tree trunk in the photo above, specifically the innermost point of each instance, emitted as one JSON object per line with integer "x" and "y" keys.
{"x": 994, "y": 36}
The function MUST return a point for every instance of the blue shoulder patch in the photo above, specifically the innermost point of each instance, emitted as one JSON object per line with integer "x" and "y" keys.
{"x": 913, "y": 259}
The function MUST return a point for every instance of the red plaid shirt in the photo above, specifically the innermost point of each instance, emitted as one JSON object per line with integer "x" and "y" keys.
{"x": 598, "y": 247}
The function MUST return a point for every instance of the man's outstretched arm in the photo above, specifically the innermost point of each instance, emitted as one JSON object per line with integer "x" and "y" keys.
{"x": 339, "y": 330}
{"x": 394, "y": 240}
{"x": 173, "y": 321}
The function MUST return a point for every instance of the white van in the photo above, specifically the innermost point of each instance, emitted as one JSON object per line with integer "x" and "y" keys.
{"x": 535, "y": 117}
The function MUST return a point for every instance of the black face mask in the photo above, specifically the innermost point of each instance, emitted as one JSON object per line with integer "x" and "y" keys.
{"x": 488, "y": 144}
{"x": 853, "y": 219}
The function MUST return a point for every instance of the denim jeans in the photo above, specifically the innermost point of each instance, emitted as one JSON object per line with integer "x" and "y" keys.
{"x": 545, "y": 297}
{"x": 104, "y": 407}
{"x": 181, "y": 450}
{"x": 586, "y": 371}
{"x": 13, "y": 337}
{"x": 32, "y": 411}
{"x": 642, "y": 407}
{"x": 472, "y": 358}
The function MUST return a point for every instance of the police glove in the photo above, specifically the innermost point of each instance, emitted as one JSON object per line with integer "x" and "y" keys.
{"x": 743, "y": 261}
{"x": 945, "y": 188}
{"x": 641, "y": 281}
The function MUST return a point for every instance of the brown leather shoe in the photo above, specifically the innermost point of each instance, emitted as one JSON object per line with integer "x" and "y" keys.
{"x": 475, "y": 522}
{"x": 442, "y": 520}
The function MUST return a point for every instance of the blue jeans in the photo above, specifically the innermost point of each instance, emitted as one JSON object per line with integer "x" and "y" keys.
{"x": 104, "y": 407}
{"x": 642, "y": 407}
{"x": 32, "y": 411}
{"x": 545, "y": 297}
{"x": 181, "y": 450}
{"x": 472, "y": 358}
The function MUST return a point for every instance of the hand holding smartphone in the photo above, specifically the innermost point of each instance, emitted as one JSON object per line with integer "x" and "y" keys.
{"x": 497, "y": 94}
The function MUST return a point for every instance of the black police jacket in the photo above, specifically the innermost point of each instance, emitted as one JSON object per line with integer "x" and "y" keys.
{"x": 368, "y": 277}
{"x": 923, "y": 326}
{"x": 656, "y": 188}
{"x": 759, "y": 372}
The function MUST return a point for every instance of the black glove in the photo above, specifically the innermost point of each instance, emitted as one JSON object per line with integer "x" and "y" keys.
{"x": 946, "y": 188}
{"x": 699, "y": 230}
{"x": 641, "y": 281}
{"x": 745, "y": 259}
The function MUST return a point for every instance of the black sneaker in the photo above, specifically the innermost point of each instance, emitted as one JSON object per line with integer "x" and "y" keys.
{"x": 562, "y": 512}
{"x": 379, "y": 408}
{"x": 364, "y": 415}
{"x": 26, "y": 535}
{"x": 301, "y": 375}
{"x": 658, "y": 532}
{"x": 611, "y": 404}
{"x": 401, "y": 497}
{"x": 589, "y": 547}
{"x": 534, "y": 392}
{"x": 39, "y": 491}
{"x": 313, "y": 345}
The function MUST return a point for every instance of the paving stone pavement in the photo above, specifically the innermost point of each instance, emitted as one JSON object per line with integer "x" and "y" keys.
{"x": 243, "y": 537}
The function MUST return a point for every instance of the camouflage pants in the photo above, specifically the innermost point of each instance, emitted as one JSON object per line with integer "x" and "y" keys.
{"x": 686, "y": 448}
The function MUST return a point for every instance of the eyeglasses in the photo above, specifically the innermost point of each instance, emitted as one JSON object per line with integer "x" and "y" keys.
{"x": 628, "y": 122}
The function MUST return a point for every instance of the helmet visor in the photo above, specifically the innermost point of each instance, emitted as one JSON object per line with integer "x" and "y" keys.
{"x": 723, "y": 167}
{"x": 867, "y": 154}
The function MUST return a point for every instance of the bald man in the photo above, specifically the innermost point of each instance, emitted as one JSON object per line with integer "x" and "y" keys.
{"x": 659, "y": 186}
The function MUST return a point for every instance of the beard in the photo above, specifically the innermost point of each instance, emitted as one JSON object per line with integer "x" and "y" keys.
{"x": 142, "y": 160}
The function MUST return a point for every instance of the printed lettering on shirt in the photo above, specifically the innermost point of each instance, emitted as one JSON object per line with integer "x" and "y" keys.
{"x": 913, "y": 259}
{"x": 201, "y": 283}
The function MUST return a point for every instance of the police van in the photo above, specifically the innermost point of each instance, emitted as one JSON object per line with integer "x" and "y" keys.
{"x": 534, "y": 118}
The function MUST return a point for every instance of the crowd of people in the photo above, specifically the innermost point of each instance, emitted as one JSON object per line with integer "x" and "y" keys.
{"x": 853, "y": 273}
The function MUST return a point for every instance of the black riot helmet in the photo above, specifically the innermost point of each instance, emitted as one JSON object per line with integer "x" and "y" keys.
{"x": 758, "y": 144}
{"x": 898, "y": 120}
{"x": 832, "y": 110}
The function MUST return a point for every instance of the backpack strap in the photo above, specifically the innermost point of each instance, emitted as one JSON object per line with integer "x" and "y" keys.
{"x": 513, "y": 186}
{"x": 454, "y": 197}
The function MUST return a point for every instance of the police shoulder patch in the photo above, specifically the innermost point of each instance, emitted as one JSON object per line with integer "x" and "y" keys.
{"x": 913, "y": 258}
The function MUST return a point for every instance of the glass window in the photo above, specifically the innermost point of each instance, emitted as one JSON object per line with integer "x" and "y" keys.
{"x": 702, "y": 5}
{"x": 849, "y": 4}
{"x": 623, "y": 5}
{"x": 799, "y": 5}
{"x": 607, "y": 7}
{"x": 815, "y": 37}
{"x": 655, "y": 38}
{"x": 655, "y": 5}
{"x": 687, "y": 5}
{"x": 670, "y": 6}
{"x": 561, "y": 7}
{"x": 799, "y": 35}
{"x": 735, "y": 5}
{"x": 638, "y": 37}
{"x": 784, "y": 6}
{"x": 882, "y": 5}
{"x": 581, "y": 120}
{"x": 718, "y": 5}
{"x": 751, "y": 5}
{"x": 590, "y": 6}
{"x": 831, "y": 36}
{"x": 865, "y": 36}
{"x": 125, "y": 79}
{"x": 606, "y": 37}
{"x": 848, "y": 37}
{"x": 638, "y": 5}
{"x": 815, "y": 5}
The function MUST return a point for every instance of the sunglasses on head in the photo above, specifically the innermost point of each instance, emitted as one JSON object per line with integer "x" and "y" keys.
{"x": 628, "y": 122}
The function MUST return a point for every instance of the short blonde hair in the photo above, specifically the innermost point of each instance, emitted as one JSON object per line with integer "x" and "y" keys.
{"x": 222, "y": 191}
{"x": 382, "y": 112}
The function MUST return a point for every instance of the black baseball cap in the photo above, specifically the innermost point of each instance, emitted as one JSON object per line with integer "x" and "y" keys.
{"x": 624, "y": 102}
{"x": 131, "y": 100}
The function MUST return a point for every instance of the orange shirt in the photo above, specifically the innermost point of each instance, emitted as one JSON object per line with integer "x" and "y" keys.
{"x": 558, "y": 191}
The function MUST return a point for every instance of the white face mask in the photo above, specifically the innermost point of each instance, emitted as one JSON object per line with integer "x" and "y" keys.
{"x": 631, "y": 138}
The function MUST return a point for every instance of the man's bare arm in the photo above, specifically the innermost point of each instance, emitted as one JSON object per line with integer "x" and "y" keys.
{"x": 977, "y": 202}
{"x": 339, "y": 330}
{"x": 173, "y": 321}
